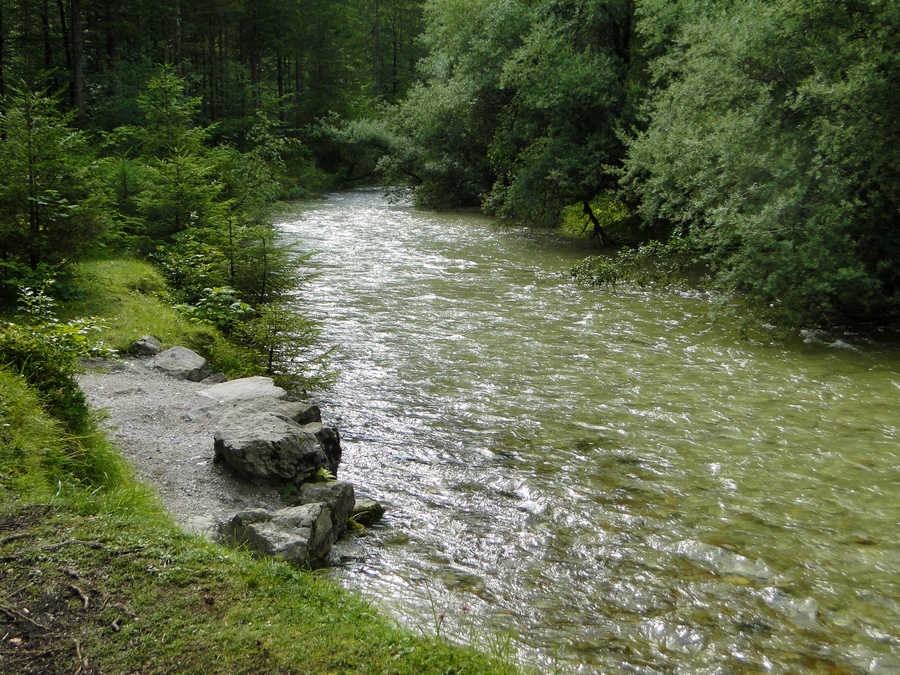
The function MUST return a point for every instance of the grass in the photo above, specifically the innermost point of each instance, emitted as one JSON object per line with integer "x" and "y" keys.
{"x": 97, "y": 578}
{"x": 131, "y": 298}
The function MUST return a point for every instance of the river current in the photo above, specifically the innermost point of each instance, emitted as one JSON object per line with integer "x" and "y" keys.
{"x": 601, "y": 480}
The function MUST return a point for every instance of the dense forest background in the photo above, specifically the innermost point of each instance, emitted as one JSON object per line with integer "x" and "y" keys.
{"x": 757, "y": 142}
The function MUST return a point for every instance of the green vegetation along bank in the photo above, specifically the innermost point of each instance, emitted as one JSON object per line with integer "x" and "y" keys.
{"x": 96, "y": 577}
{"x": 756, "y": 140}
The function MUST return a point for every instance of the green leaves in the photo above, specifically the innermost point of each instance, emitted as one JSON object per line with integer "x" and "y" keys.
{"x": 762, "y": 147}
{"x": 49, "y": 208}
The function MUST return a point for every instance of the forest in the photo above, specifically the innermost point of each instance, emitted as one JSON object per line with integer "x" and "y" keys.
{"x": 756, "y": 141}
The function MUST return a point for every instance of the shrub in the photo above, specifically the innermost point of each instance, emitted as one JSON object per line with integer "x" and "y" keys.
{"x": 46, "y": 352}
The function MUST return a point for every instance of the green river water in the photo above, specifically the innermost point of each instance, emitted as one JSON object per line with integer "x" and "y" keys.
{"x": 604, "y": 480}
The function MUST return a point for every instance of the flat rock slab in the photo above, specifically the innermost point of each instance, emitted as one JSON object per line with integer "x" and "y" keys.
{"x": 181, "y": 363}
{"x": 244, "y": 389}
{"x": 298, "y": 411}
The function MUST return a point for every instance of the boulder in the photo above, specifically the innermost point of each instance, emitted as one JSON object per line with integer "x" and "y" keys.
{"x": 299, "y": 534}
{"x": 180, "y": 362}
{"x": 273, "y": 448}
{"x": 367, "y": 511}
{"x": 146, "y": 345}
{"x": 243, "y": 389}
{"x": 330, "y": 440}
{"x": 337, "y": 495}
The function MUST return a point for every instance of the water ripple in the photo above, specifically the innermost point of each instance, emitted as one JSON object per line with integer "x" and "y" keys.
{"x": 613, "y": 481}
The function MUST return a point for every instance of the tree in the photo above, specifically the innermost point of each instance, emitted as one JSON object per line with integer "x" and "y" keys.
{"x": 50, "y": 204}
{"x": 558, "y": 137}
{"x": 773, "y": 146}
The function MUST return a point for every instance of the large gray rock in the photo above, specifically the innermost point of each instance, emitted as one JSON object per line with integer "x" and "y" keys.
{"x": 244, "y": 389}
{"x": 299, "y": 534}
{"x": 146, "y": 345}
{"x": 273, "y": 448}
{"x": 337, "y": 495}
{"x": 180, "y": 362}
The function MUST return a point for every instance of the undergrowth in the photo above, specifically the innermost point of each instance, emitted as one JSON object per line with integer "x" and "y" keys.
{"x": 132, "y": 298}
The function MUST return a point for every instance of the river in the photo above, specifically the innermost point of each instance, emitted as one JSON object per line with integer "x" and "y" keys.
{"x": 600, "y": 480}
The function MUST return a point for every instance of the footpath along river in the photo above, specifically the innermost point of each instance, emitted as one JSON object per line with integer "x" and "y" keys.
{"x": 604, "y": 478}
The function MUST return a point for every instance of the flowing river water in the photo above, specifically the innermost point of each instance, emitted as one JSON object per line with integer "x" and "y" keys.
{"x": 601, "y": 480}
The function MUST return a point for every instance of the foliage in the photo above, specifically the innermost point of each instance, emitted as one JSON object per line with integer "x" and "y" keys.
{"x": 653, "y": 263}
{"x": 520, "y": 106}
{"x": 443, "y": 130}
{"x": 219, "y": 306}
{"x": 50, "y": 204}
{"x": 557, "y": 137}
{"x": 772, "y": 146}
{"x": 45, "y": 352}
{"x": 609, "y": 213}
{"x": 285, "y": 341}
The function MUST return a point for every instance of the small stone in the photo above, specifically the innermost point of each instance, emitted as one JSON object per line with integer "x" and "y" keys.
{"x": 180, "y": 362}
{"x": 146, "y": 345}
{"x": 215, "y": 378}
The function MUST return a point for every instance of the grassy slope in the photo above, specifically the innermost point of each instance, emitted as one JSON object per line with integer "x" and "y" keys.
{"x": 96, "y": 577}
{"x": 130, "y": 296}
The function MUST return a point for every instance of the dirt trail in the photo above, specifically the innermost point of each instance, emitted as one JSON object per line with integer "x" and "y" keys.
{"x": 165, "y": 430}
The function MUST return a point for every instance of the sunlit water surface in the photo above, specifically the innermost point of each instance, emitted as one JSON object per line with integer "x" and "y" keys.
{"x": 604, "y": 480}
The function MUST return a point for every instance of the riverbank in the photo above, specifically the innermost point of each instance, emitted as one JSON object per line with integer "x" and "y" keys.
{"x": 98, "y": 577}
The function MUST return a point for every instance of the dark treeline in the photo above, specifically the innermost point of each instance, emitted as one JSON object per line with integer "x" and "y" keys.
{"x": 757, "y": 140}
{"x": 297, "y": 59}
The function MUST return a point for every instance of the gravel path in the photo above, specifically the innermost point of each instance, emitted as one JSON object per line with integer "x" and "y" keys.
{"x": 165, "y": 430}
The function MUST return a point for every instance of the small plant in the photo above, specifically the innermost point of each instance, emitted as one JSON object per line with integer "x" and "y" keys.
{"x": 46, "y": 352}
{"x": 219, "y": 306}
{"x": 323, "y": 475}
{"x": 655, "y": 263}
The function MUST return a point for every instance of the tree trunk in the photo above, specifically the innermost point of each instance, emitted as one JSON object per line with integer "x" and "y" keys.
{"x": 77, "y": 42}
{"x": 45, "y": 36}
{"x": 178, "y": 36}
{"x": 64, "y": 29}
{"x": 213, "y": 66}
{"x": 2, "y": 52}
{"x": 378, "y": 56}
{"x": 598, "y": 230}
{"x": 110, "y": 30}
{"x": 280, "y": 76}
{"x": 34, "y": 222}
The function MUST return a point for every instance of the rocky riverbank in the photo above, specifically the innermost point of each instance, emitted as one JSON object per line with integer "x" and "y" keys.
{"x": 229, "y": 459}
